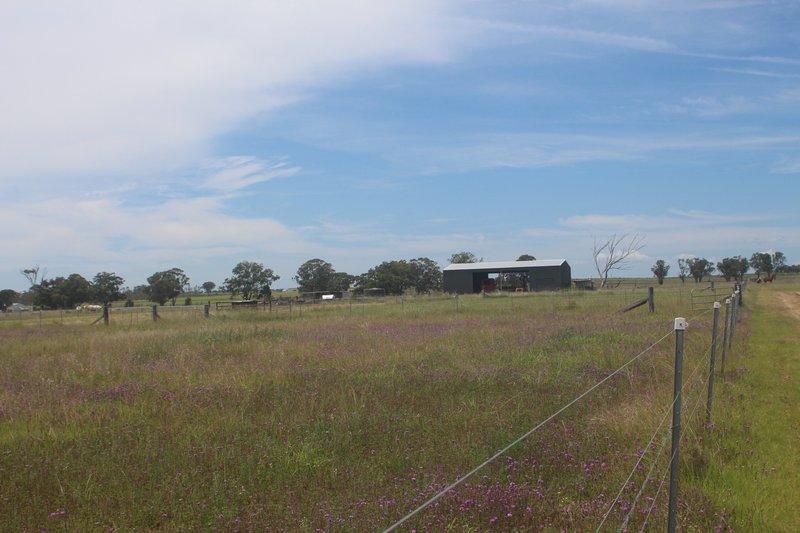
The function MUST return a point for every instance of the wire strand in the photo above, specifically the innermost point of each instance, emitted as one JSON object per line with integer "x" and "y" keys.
{"x": 635, "y": 466}
{"x": 641, "y": 458}
{"x": 460, "y": 480}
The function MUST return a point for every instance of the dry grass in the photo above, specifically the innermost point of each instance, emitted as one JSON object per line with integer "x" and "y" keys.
{"x": 343, "y": 418}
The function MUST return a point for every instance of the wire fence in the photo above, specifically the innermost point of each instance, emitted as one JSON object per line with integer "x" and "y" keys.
{"x": 358, "y": 307}
{"x": 692, "y": 386}
{"x": 646, "y": 477}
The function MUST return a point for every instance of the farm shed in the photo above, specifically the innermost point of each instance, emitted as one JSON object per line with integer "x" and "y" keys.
{"x": 547, "y": 274}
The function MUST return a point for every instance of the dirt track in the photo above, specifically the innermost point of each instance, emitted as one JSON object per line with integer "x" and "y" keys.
{"x": 791, "y": 300}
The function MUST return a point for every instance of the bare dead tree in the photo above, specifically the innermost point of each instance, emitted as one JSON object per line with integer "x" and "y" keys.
{"x": 614, "y": 253}
{"x": 32, "y": 274}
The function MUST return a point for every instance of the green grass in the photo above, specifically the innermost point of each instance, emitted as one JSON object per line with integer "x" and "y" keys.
{"x": 754, "y": 447}
{"x": 343, "y": 417}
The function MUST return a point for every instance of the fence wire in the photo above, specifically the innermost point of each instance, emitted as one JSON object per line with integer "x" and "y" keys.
{"x": 469, "y": 474}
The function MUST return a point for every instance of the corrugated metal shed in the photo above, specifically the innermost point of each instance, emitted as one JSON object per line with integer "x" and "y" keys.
{"x": 542, "y": 274}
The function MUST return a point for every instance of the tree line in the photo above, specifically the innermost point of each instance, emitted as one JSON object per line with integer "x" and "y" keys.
{"x": 252, "y": 280}
{"x": 765, "y": 265}
{"x": 249, "y": 280}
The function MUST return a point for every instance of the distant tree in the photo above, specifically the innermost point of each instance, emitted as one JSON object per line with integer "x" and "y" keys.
{"x": 252, "y": 280}
{"x": 315, "y": 275}
{"x": 426, "y": 276}
{"x": 778, "y": 261}
{"x": 62, "y": 293}
{"x": 683, "y": 269}
{"x": 700, "y": 268}
{"x": 209, "y": 286}
{"x": 107, "y": 287}
{"x": 660, "y": 270}
{"x": 526, "y": 257}
{"x": 166, "y": 285}
{"x": 789, "y": 269}
{"x": 392, "y": 276}
{"x": 733, "y": 267}
{"x": 744, "y": 266}
{"x": 614, "y": 254}
{"x": 139, "y": 292}
{"x": 340, "y": 281}
{"x": 463, "y": 257}
{"x": 7, "y": 297}
{"x": 762, "y": 264}
{"x": 767, "y": 263}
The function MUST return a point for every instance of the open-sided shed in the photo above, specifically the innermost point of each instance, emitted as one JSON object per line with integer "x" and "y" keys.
{"x": 546, "y": 274}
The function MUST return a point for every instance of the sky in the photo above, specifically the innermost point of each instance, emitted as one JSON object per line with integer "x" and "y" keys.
{"x": 140, "y": 136}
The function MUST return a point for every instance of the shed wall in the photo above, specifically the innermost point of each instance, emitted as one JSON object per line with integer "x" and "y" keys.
{"x": 539, "y": 278}
{"x": 459, "y": 282}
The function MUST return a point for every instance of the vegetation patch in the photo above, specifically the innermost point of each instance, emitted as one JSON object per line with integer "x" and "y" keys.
{"x": 343, "y": 420}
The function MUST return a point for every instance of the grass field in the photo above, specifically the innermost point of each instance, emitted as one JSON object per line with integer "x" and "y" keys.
{"x": 754, "y": 450}
{"x": 346, "y": 417}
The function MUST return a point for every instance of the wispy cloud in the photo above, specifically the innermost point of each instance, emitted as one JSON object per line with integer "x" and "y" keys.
{"x": 787, "y": 167}
{"x": 538, "y": 150}
{"x": 711, "y": 106}
{"x": 581, "y": 35}
{"x": 759, "y": 73}
{"x": 235, "y": 173}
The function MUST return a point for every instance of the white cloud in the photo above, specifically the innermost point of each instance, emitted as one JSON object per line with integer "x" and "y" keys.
{"x": 92, "y": 235}
{"x": 118, "y": 87}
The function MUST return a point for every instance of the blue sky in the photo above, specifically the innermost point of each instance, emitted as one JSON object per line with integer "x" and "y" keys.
{"x": 143, "y": 136}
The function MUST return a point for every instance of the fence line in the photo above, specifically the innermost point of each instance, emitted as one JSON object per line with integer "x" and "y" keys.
{"x": 463, "y": 478}
{"x": 684, "y": 405}
{"x": 658, "y": 491}
{"x": 688, "y": 382}
{"x": 645, "y": 448}
{"x": 278, "y": 308}
{"x": 666, "y": 470}
{"x": 633, "y": 470}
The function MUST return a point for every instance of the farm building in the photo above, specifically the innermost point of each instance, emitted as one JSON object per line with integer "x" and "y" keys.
{"x": 548, "y": 274}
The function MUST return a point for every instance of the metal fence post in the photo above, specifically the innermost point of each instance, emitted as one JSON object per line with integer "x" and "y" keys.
{"x": 674, "y": 467}
{"x": 725, "y": 335}
{"x": 711, "y": 369}
{"x": 734, "y": 312}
